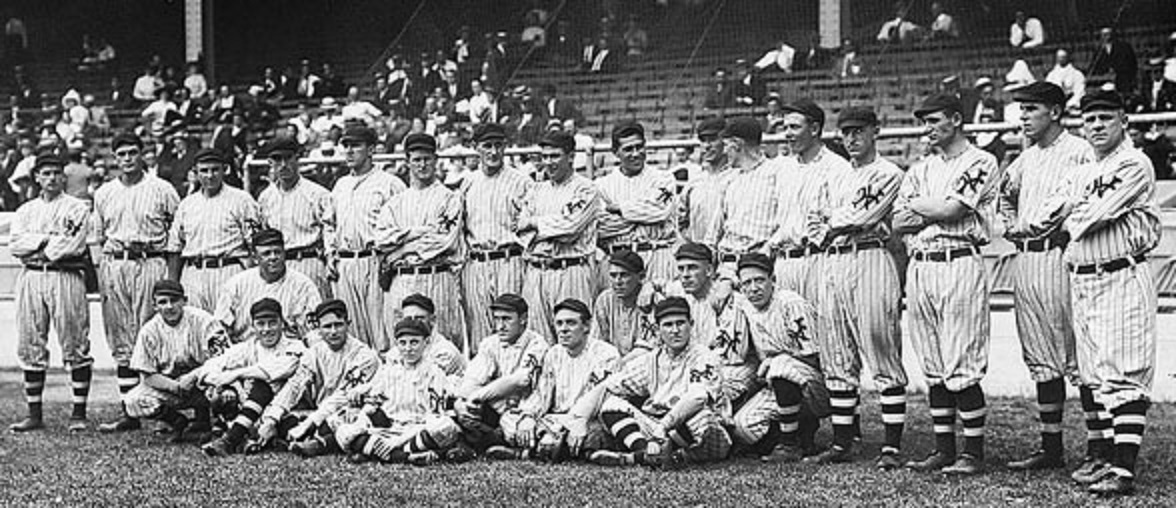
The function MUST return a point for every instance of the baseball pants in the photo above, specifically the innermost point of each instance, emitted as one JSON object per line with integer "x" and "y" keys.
{"x": 127, "y": 301}
{"x": 57, "y": 298}
{"x": 481, "y": 282}
{"x": 359, "y": 287}
{"x": 1041, "y": 293}
{"x": 703, "y": 438}
{"x": 316, "y": 269}
{"x": 391, "y": 434}
{"x": 203, "y": 285}
{"x": 543, "y": 288}
{"x": 597, "y": 438}
{"x": 793, "y": 274}
{"x": 947, "y": 305}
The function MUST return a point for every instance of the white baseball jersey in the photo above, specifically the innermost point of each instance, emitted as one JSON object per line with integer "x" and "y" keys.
{"x": 647, "y": 205}
{"x": 358, "y": 202}
{"x": 1114, "y": 212}
{"x": 1037, "y": 175}
{"x": 278, "y": 362}
{"x": 564, "y": 378}
{"x": 624, "y": 327}
{"x": 699, "y": 206}
{"x": 173, "y": 351}
{"x": 408, "y": 393}
{"x": 45, "y": 231}
{"x": 565, "y": 218}
{"x": 323, "y": 372}
{"x": 971, "y": 178}
{"x": 497, "y": 358}
{"x": 305, "y": 214}
{"x": 434, "y": 207}
{"x": 492, "y": 207}
{"x": 663, "y": 379}
{"x": 749, "y": 213}
{"x": 802, "y": 184}
{"x": 217, "y": 226}
{"x": 138, "y": 214}
{"x": 441, "y": 351}
{"x": 295, "y": 291}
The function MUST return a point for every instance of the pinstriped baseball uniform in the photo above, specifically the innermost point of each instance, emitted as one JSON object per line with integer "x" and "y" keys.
{"x": 295, "y": 291}
{"x": 623, "y": 326}
{"x": 438, "y": 209}
{"x": 134, "y": 217}
{"x": 699, "y": 204}
{"x": 441, "y": 352}
{"x": 948, "y": 301}
{"x": 171, "y": 351}
{"x": 278, "y": 362}
{"x": 648, "y": 206}
{"x": 800, "y": 195}
{"x": 321, "y": 373}
{"x": 305, "y": 215}
{"x": 46, "y": 232}
{"x": 565, "y": 228}
{"x": 750, "y": 209}
{"x": 1114, "y": 216}
{"x": 1041, "y": 284}
{"x": 492, "y": 207}
{"x": 857, "y": 292}
{"x": 496, "y": 359}
{"x": 725, "y": 330}
{"x": 358, "y": 202}
{"x": 213, "y": 227}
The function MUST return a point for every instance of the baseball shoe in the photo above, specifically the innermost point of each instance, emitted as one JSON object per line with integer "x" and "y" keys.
{"x": 358, "y": 458}
{"x": 833, "y": 455}
{"x": 460, "y": 453}
{"x": 499, "y": 452}
{"x": 308, "y": 448}
{"x": 27, "y": 425}
{"x": 888, "y": 461}
{"x": 964, "y": 465}
{"x": 783, "y": 454}
{"x": 1118, "y": 482}
{"x": 123, "y": 424}
{"x": 934, "y": 462}
{"x": 611, "y": 458}
{"x": 425, "y": 458}
{"x": 219, "y": 447}
{"x": 78, "y": 425}
{"x": 1091, "y": 471}
{"x": 1039, "y": 460}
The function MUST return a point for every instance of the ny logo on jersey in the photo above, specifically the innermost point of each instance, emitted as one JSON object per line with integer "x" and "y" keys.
{"x": 597, "y": 377}
{"x": 436, "y": 399}
{"x": 971, "y": 181}
{"x": 532, "y": 364}
{"x": 799, "y": 330}
{"x": 352, "y": 379}
{"x": 725, "y": 344}
{"x": 217, "y": 344}
{"x": 699, "y": 375}
{"x": 866, "y": 197}
{"x": 575, "y": 206}
{"x": 665, "y": 195}
{"x": 72, "y": 228}
{"x": 647, "y": 329}
{"x": 1102, "y": 184}
{"x": 448, "y": 222}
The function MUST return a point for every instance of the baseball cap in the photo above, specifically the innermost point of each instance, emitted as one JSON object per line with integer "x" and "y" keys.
{"x": 421, "y": 301}
{"x": 336, "y": 307}
{"x": 628, "y": 261}
{"x": 857, "y": 116}
{"x": 695, "y": 251}
{"x": 509, "y": 302}
{"x": 672, "y": 306}
{"x": 265, "y": 307}
{"x": 574, "y": 305}
{"x": 756, "y": 260}
{"x": 745, "y": 128}
{"x": 559, "y": 139}
{"x": 1101, "y": 99}
{"x": 807, "y": 108}
{"x": 47, "y": 159}
{"x": 489, "y": 132}
{"x": 711, "y": 128}
{"x": 420, "y": 141}
{"x": 939, "y": 102}
{"x": 1041, "y": 91}
{"x": 268, "y": 237}
{"x": 168, "y": 287}
{"x": 279, "y": 145}
{"x": 211, "y": 156}
{"x": 412, "y": 327}
{"x": 626, "y": 129}
{"x": 360, "y": 133}
{"x": 125, "y": 138}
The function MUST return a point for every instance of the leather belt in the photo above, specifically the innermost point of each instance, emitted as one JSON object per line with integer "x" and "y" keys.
{"x": 53, "y": 268}
{"x": 1041, "y": 244}
{"x": 302, "y": 253}
{"x": 557, "y": 263}
{"x": 854, "y": 247}
{"x": 635, "y": 247}
{"x": 943, "y": 256}
{"x": 347, "y": 254}
{"x": 211, "y": 262}
{"x": 1109, "y": 266}
{"x": 491, "y": 255}
{"x": 794, "y": 253}
{"x": 421, "y": 269}
{"x": 127, "y": 255}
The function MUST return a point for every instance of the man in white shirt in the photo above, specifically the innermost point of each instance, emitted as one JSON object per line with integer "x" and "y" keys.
{"x": 147, "y": 85}
{"x": 1026, "y": 32}
{"x": 781, "y": 56}
{"x": 1072, "y": 81}
{"x": 359, "y": 109}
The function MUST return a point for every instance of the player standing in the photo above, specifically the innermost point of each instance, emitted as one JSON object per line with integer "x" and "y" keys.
{"x": 699, "y": 204}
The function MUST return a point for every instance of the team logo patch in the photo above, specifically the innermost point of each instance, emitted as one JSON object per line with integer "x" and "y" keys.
{"x": 725, "y": 344}
{"x": 971, "y": 180}
{"x": 575, "y": 206}
{"x": 799, "y": 330}
{"x": 665, "y": 195}
{"x": 448, "y": 223}
{"x": 866, "y": 197}
{"x": 436, "y": 399}
{"x": 705, "y": 374}
{"x": 1102, "y": 184}
{"x": 352, "y": 379}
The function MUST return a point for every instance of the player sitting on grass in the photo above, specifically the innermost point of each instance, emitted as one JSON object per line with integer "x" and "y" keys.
{"x": 241, "y": 382}
{"x": 334, "y": 364}
{"x": 572, "y": 367}
{"x": 399, "y": 416}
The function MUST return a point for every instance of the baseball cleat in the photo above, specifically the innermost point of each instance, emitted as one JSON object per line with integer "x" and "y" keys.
{"x": 934, "y": 462}
{"x": 499, "y": 452}
{"x": 833, "y": 455}
{"x": 358, "y": 458}
{"x": 219, "y": 447}
{"x": 123, "y": 424}
{"x": 26, "y": 425}
{"x": 1039, "y": 460}
{"x": 783, "y": 454}
{"x": 964, "y": 465}
{"x": 308, "y": 448}
{"x": 1118, "y": 482}
{"x": 888, "y": 461}
{"x": 611, "y": 458}
{"x": 78, "y": 425}
{"x": 425, "y": 458}
{"x": 459, "y": 454}
{"x": 1091, "y": 471}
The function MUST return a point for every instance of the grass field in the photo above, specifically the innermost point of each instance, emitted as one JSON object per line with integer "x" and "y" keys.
{"x": 54, "y": 468}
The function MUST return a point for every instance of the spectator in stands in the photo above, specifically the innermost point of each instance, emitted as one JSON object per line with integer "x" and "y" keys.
{"x": 1065, "y": 75}
{"x": 1158, "y": 93}
{"x": 451, "y": 86}
{"x": 77, "y": 114}
{"x": 1170, "y": 59}
{"x": 530, "y": 121}
{"x": 462, "y": 46}
{"x": 778, "y": 58}
{"x": 400, "y": 87}
{"x": 20, "y": 168}
{"x": 1156, "y": 146}
{"x": 147, "y": 86}
{"x": 26, "y": 92}
{"x": 1116, "y": 58}
{"x": 155, "y": 115}
{"x": 70, "y": 134}
{"x": 775, "y": 110}
{"x": 585, "y": 161}
{"x": 987, "y": 109}
{"x": 396, "y": 127}
{"x": 722, "y": 94}
{"x": 232, "y": 139}
{"x": 115, "y": 96}
{"x": 329, "y": 117}
{"x": 195, "y": 83}
{"x": 533, "y": 31}
{"x": 814, "y": 57}
{"x": 99, "y": 119}
{"x": 750, "y": 88}
{"x": 847, "y": 63}
{"x": 1026, "y": 32}
{"x": 636, "y": 38}
{"x": 332, "y": 84}
{"x": 943, "y": 25}
{"x": 177, "y": 158}
{"x": 95, "y": 55}
{"x": 10, "y": 155}
{"x": 428, "y": 75}
{"x": 299, "y": 125}
{"x": 899, "y": 28}
{"x": 442, "y": 116}
{"x": 562, "y": 50}
{"x": 16, "y": 42}
{"x": 170, "y": 78}
{"x": 309, "y": 83}
{"x": 273, "y": 85}
{"x": 556, "y": 107}
{"x": 188, "y": 110}
{"x": 359, "y": 109}
{"x": 259, "y": 112}
{"x": 599, "y": 58}
{"x": 223, "y": 105}
{"x": 478, "y": 103}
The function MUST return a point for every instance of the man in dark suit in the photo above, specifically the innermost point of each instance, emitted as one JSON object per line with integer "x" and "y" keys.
{"x": 1113, "y": 57}
{"x": 750, "y": 88}
{"x": 557, "y": 107}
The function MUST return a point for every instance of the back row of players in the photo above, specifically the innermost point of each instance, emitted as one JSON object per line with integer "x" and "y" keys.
{"x": 425, "y": 268}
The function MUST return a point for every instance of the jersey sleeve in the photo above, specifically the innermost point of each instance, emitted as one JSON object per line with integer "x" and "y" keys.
{"x": 573, "y": 217}
{"x": 872, "y": 203}
{"x": 70, "y": 241}
{"x": 1110, "y": 195}
{"x": 653, "y": 206}
{"x": 444, "y": 230}
{"x": 283, "y": 364}
{"x": 977, "y": 183}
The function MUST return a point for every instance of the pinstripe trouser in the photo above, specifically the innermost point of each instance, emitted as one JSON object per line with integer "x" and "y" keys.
{"x": 1115, "y": 329}
{"x": 316, "y": 269}
{"x": 948, "y": 319}
{"x": 127, "y": 301}
{"x": 543, "y": 288}
{"x": 1041, "y": 293}
{"x": 203, "y": 285}
{"x": 44, "y": 297}
{"x": 445, "y": 291}
{"x": 481, "y": 282}
{"x": 857, "y": 308}
{"x": 359, "y": 288}
{"x": 711, "y": 441}
{"x": 793, "y": 274}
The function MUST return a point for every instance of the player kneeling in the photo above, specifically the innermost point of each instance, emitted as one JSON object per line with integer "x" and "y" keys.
{"x": 242, "y": 381}
{"x": 571, "y": 368}
{"x": 681, "y": 385}
{"x": 399, "y": 416}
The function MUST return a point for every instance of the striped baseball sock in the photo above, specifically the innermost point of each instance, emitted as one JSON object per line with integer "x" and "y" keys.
{"x": 788, "y": 397}
{"x": 381, "y": 448}
{"x": 1099, "y": 425}
{"x": 681, "y": 435}
{"x": 942, "y": 403}
{"x": 260, "y": 395}
{"x": 34, "y": 385}
{"x": 422, "y": 442}
{"x": 1130, "y": 420}
{"x": 128, "y": 379}
{"x": 843, "y": 404}
{"x": 625, "y": 429}
{"x": 893, "y": 417}
{"x": 79, "y": 378}
{"x": 1051, "y": 401}
{"x": 973, "y": 412}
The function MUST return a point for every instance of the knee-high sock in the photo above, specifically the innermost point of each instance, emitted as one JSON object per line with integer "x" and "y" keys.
{"x": 1051, "y": 401}
{"x": 1130, "y": 420}
{"x": 788, "y": 397}
{"x": 844, "y": 405}
{"x": 79, "y": 379}
{"x": 625, "y": 429}
{"x": 973, "y": 411}
{"x": 1099, "y": 426}
{"x": 34, "y": 385}
{"x": 260, "y": 395}
{"x": 893, "y": 417}
{"x": 942, "y": 403}
{"x": 420, "y": 443}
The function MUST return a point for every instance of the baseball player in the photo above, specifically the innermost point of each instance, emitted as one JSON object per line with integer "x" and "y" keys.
{"x": 699, "y": 203}
{"x": 504, "y": 373}
{"x": 359, "y": 198}
{"x": 680, "y": 384}
{"x": 242, "y": 381}
{"x": 132, "y": 217}
{"x": 638, "y": 205}
{"x": 169, "y": 351}
{"x": 784, "y": 413}
{"x": 271, "y": 278}
{"x": 438, "y": 349}
{"x": 493, "y": 199}
{"x": 624, "y": 311}
{"x": 857, "y": 291}
{"x": 944, "y": 210}
{"x": 211, "y": 232}
{"x": 301, "y": 209}
{"x": 400, "y": 415}
{"x": 558, "y": 228}
{"x": 571, "y": 368}
{"x": 1041, "y": 284}
{"x": 48, "y": 236}
{"x": 335, "y": 364}
{"x": 420, "y": 231}
{"x": 1113, "y": 224}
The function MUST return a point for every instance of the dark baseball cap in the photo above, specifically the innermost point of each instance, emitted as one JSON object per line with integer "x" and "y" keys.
{"x": 360, "y": 133}
{"x": 1041, "y": 91}
{"x": 939, "y": 102}
{"x": 413, "y": 327}
{"x": 559, "y": 139}
{"x": 47, "y": 159}
{"x": 420, "y": 141}
{"x": 711, "y": 128}
{"x": 1102, "y": 100}
{"x": 745, "y": 128}
{"x": 265, "y": 307}
{"x": 168, "y": 287}
{"x": 489, "y": 132}
{"x": 510, "y": 302}
{"x": 857, "y": 116}
{"x": 211, "y": 156}
{"x": 628, "y": 261}
{"x": 268, "y": 237}
{"x": 756, "y": 260}
{"x": 807, "y": 108}
{"x": 336, "y": 307}
{"x": 574, "y": 305}
{"x": 695, "y": 251}
{"x": 626, "y": 129}
{"x": 280, "y": 145}
{"x": 672, "y": 306}
{"x": 420, "y": 301}
{"x": 126, "y": 138}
